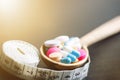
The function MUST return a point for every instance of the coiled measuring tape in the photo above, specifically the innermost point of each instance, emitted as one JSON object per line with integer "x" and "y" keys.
{"x": 21, "y": 59}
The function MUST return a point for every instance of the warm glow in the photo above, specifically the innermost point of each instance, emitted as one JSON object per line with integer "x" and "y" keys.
{"x": 8, "y": 5}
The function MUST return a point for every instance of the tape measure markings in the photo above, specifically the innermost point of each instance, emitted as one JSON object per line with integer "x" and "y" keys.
{"x": 67, "y": 75}
{"x": 85, "y": 71}
{"x": 29, "y": 72}
{"x": 42, "y": 74}
{"x": 25, "y": 71}
{"x": 55, "y": 75}
{"x": 7, "y": 61}
{"x": 17, "y": 68}
{"x": 77, "y": 74}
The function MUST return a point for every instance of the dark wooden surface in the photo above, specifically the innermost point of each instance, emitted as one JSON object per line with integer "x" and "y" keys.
{"x": 105, "y": 59}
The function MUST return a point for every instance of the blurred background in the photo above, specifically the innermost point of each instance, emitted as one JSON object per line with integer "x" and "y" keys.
{"x": 35, "y": 21}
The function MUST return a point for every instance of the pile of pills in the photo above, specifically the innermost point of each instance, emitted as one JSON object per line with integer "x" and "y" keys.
{"x": 64, "y": 49}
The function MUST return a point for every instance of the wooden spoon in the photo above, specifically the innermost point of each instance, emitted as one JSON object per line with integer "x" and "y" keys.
{"x": 109, "y": 28}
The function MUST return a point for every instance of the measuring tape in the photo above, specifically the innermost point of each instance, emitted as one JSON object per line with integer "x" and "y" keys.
{"x": 21, "y": 59}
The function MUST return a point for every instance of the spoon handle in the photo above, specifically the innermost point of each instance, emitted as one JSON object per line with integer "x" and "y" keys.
{"x": 105, "y": 30}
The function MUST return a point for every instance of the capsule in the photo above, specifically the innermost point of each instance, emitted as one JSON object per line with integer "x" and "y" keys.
{"x": 56, "y": 56}
{"x": 71, "y": 51}
{"x": 66, "y": 60}
{"x": 83, "y": 54}
{"x": 72, "y": 57}
{"x": 52, "y": 50}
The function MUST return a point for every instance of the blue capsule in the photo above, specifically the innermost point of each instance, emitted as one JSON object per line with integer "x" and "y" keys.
{"x": 72, "y": 57}
{"x": 75, "y": 53}
{"x": 66, "y": 60}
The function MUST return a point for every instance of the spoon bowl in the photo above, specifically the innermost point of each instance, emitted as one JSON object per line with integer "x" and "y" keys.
{"x": 62, "y": 66}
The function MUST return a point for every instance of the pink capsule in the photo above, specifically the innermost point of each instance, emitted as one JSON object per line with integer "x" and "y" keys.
{"x": 83, "y": 54}
{"x": 52, "y": 50}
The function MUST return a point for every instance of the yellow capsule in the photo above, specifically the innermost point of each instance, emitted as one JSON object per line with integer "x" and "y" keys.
{"x": 56, "y": 56}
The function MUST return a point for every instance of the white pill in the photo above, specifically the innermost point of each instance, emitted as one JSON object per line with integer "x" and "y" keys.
{"x": 64, "y": 53}
{"x": 74, "y": 42}
{"x": 67, "y": 48}
{"x": 62, "y": 38}
{"x": 75, "y": 39}
{"x": 76, "y": 46}
{"x": 52, "y": 43}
